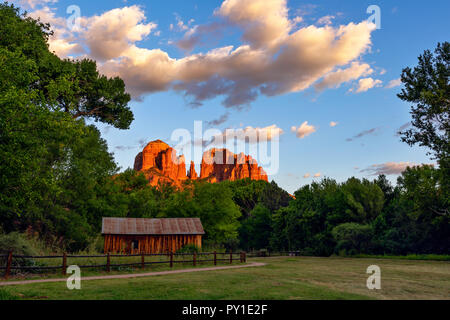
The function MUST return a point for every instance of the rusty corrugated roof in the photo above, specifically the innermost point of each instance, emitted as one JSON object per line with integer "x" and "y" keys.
{"x": 145, "y": 226}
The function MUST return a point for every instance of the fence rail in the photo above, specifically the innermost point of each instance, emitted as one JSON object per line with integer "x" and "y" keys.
{"x": 13, "y": 261}
{"x": 266, "y": 253}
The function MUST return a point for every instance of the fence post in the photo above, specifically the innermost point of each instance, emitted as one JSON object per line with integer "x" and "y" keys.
{"x": 231, "y": 257}
{"x": 108, "y": 262}
{"x": 171, "y": 259}
{"x": 195, "y": 258}
{"x": 215, "y": 258}
{"x": 64, "y": 265}
{"x": 245, "y": 257}
{"x": 143, "y": 261}
{"x": 8, "y": 264}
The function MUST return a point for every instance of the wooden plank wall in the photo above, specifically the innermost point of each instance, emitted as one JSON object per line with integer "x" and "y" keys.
{"x": 149, "y": 244}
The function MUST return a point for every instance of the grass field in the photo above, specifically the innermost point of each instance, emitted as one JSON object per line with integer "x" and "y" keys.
{"x": 282, "y": 278}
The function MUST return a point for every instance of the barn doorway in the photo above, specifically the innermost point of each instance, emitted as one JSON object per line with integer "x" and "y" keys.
{"x": 134, "y": 245}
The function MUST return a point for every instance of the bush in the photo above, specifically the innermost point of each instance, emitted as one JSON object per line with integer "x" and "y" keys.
{"x": 189, "y": 248}
{"x": 352, "y": 238}
{"x": 18, "y": 243}
{"x": 231, "y": 245}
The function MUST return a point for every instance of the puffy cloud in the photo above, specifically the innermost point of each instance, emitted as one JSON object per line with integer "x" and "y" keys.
{"x": 388, "y": 168}
{"x": 394, "y": 83}
{"x": 304, "y": 130}
{"x": 307, "y": 175}
{"x": 274, "y": 58}
{"x": 199, "y": 34}
{"x": 265, "y": 22}
{"x": 318, "y": 175}
{"x": 366, "y": 84}
{"x": 62, "y": 42}
{"x": 364, "y": 133}
{"x": 336, "y": 78}
{"x": 252, "y": 134}
{"x": 333, "y": 124}
{"x": 113, "y": 33}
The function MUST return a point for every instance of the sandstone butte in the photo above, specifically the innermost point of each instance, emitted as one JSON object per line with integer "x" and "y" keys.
{"x": 159, "y": 163}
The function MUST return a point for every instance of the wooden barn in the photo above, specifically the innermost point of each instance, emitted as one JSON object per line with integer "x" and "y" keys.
{"x": 132, "y": 236}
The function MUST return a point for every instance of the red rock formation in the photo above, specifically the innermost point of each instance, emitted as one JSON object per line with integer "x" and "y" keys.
{"x": 159, "y": 163}
{"x": 221, "y": 164}
{"x": 192, "y": 174}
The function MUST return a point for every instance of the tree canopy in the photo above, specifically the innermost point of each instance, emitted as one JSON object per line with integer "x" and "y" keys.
{"x": 72, "y": 86}
{"x": 427, "y": 87}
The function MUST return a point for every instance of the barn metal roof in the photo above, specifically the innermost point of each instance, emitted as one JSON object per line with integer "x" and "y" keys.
{"x": 145, "y": 226}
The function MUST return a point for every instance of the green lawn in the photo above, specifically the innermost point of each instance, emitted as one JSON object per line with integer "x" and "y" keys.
{"x": 282, "y": 278}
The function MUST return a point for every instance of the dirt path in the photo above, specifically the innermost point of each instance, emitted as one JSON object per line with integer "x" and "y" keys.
{"x": 134, "y": 275}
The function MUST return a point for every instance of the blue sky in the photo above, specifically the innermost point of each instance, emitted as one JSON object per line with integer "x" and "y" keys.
{"x": 407, "y": 29}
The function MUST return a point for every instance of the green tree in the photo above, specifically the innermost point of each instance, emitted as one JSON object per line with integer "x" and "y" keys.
{"x": 425, "y": 204}
{"x": 352, "y": 238}
{"x": 54, "y": 168}
{"x": 75, "y": 87}
{"x": 255, "y": 231}
{"x": 427, "y": 87}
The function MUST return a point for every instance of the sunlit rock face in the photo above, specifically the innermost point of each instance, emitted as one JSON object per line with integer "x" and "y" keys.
{"x": 221, "y": 164}
{"x": 160, "y": 164}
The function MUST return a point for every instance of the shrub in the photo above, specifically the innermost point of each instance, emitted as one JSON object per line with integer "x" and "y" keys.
{"x": 189, "y": 248}
{"x": 352, "y": 238}
{"x": 18, "y": 243}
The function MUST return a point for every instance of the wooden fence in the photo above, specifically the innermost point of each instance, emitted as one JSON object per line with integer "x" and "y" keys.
{"x": 194, "y": 258}
{"x": 266, "y": 253}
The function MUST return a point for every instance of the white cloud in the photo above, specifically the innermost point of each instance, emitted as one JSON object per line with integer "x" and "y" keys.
{"x": 62, "y": 42}
{"x": 113, "y": 33}
{"x": 366, "y": 84}
{"x": 251, "y": 134}
{"x": 394, "y": 83}
{"x": 304, "y": 130}
{"x": 333, "y": 124}
{"x": 265, "y": 22}
{"x": 389, "y": 168}
{"x": 326, "y": 20}
{"x": 274, "y": 57}
{"x": 34, "y": 3}
{"x": 181, "y": 25}
{"x": 336, "y": 78}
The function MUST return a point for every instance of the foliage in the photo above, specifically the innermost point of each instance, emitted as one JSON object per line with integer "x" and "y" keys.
{"x": 73, "y": 87}
{"x": 54, "y": 167}
{"x": 57, "y": 178}
{"x": 255, "y": 231}
{"x": 427, "y": 86}
{"x": 189, "y": 248}
{"x": 352, "y": 238}
{"x": 17, "y": 243}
